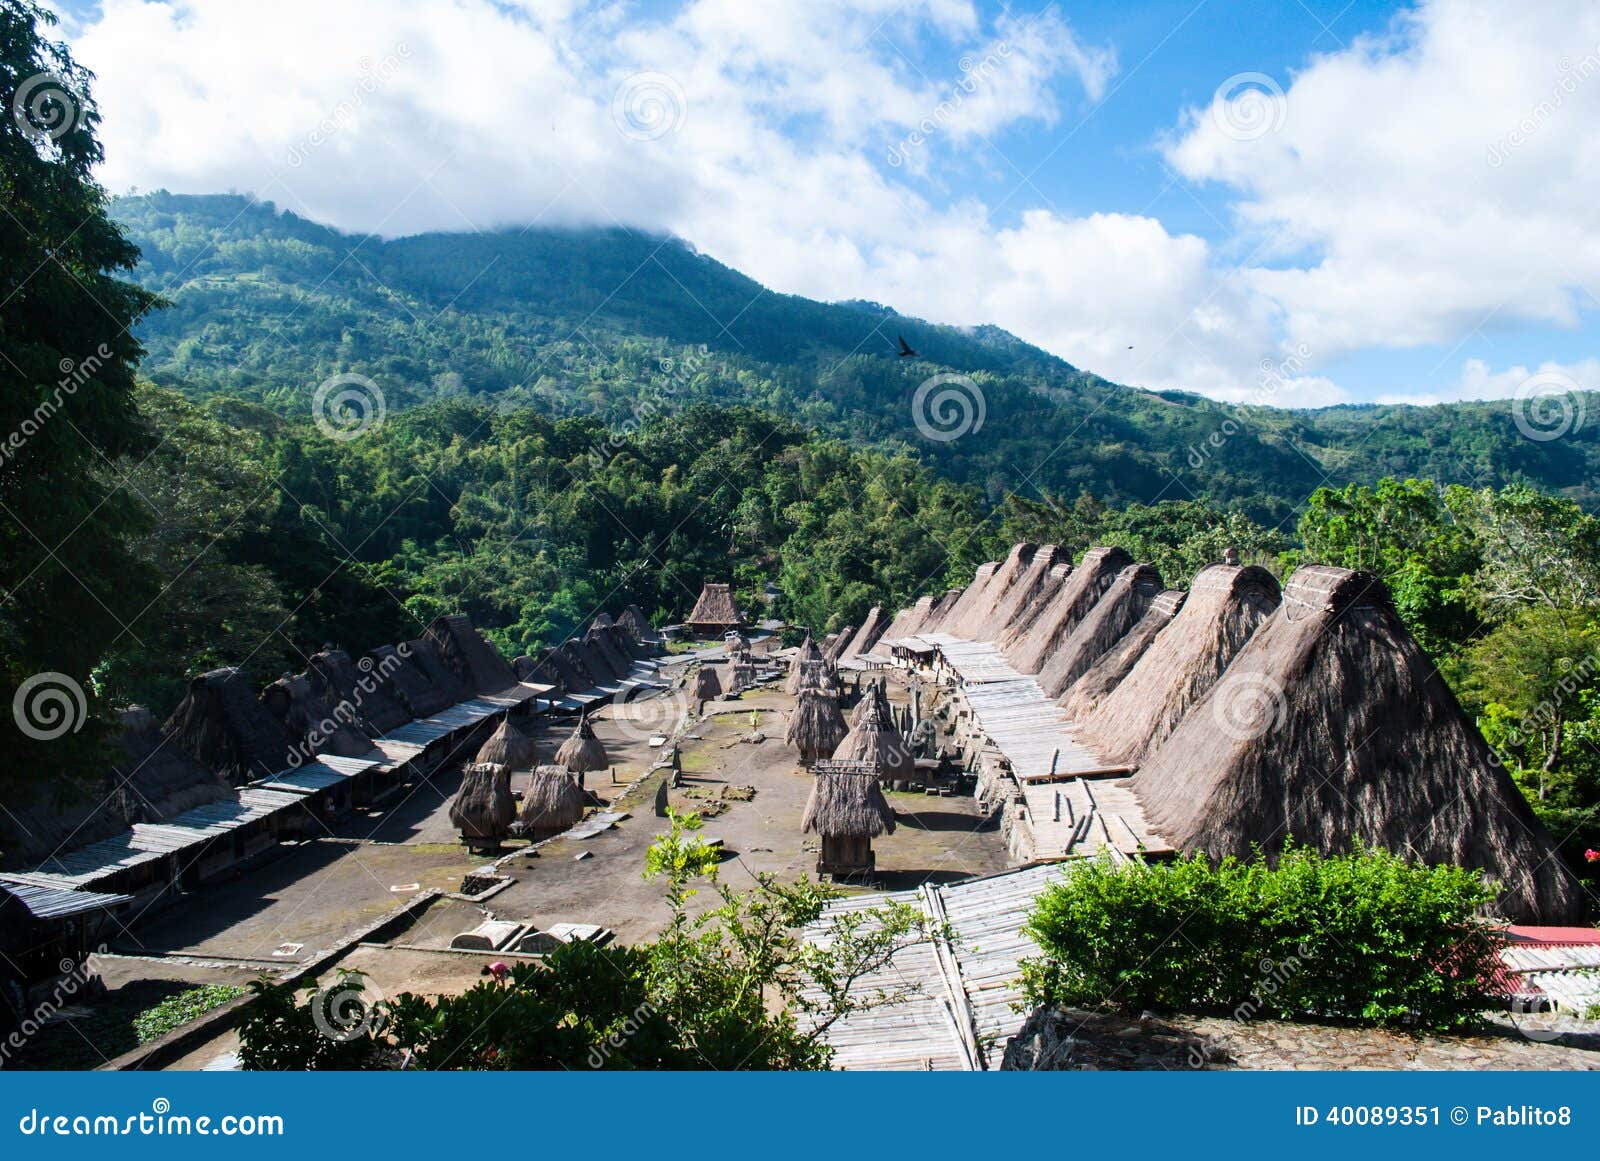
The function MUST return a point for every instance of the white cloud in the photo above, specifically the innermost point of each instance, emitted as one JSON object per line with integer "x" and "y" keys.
{"x": 1439, "y": 178}
{"x": 1480, "y": 381}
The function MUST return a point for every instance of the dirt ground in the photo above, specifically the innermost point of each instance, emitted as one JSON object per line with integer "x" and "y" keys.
{"x": 312, "y": 895}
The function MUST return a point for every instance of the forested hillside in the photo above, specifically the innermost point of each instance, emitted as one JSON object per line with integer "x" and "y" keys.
{"x": 266, "y": 306}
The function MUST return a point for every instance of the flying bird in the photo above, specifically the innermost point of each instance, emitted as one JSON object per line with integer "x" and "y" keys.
{"x": 905, "y": 351}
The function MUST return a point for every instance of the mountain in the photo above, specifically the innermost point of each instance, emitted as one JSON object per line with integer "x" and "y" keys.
{"x": 266, "y": 305}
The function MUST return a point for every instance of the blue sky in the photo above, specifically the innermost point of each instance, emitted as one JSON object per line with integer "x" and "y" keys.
{"x": 1295, "y": 203}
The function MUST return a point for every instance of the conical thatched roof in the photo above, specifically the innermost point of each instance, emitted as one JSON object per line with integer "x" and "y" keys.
{"x": 582, "y": 751}
{"x": 407, "y": 682}
{"x": 1102, "y": 627}
{"x": 1028, "y": 650}
{"x": 553, "y": 801}
{"x": 909, "y": 621}
{"x": 222, "y": 724}
{"x": 972, "y": 600}
{"x": 816, "y": 727}
{"x": 874, "y": 739}
{"x": 942, "y": 607}
{"x": 1029, "y": 614}
{"x": 1225, "y": 605}
{"x": 836, "y": 644}
{"x": 1083, "y": 695}
{"x": 973, "y": 621}
{"x": 808, "y": 651}
{"x": 483, "y": 809}
{"x": 847, "y": 805}
{"x": 508, "y": 746}
{"x": 876, "y": 694}
{"x": 716, "y": 608}
{"x": 1331, "y": 727}
{"x": 707, "y": 684}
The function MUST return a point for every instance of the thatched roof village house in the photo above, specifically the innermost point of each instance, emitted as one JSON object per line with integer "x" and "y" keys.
{"x": 807, "y": 653}
{"x": 582, "y": 751}
{"x": 864, "y": 638}
{"x": 816, "y": 726}
{"x": 1332, "y": 728}
{"x": 553, "y": 802}
{"x": 484, "y": 809}
{"x": 1246, "y": 716}
{"x": 635, "y": 622}
{"x": 715, "y": 613}
{"x": 847, "y": 810}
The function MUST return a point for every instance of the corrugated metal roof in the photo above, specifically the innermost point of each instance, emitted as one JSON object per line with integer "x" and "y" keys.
{"x": 964, "y": 991}
{"x": 1568, "y": 973}
{"x": 56, "y": 903}
{"x": 306, "y": 780}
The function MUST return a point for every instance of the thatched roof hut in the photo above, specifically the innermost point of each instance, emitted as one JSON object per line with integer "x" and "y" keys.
{"x": 715, "y": 612}
{"x": 508, "y": 746}
{"x": 317, "y": 725}
{"x": 572, "y": 655}
{"x": 876, "y": 692}
{"x": 1102, "y": 627}
{"x": 582, "y": 751}
{"x": 1083, "y": 695}
{"x": 873, "y": 739}
{"x": 1331, "y": 728}
{"x": 604, "y": 642}
{"x": 941, "y": 610}
{"x": 816, "y": 727}
{"x": 553, "y": 801}
{"x": 484, "y": 809}
{"x": 974, "y": 622}
{"x": 1028, "y": 650}
{"x": 1225, "y": 605}
{"x": 1026, "y": 616}
{"x": 836, "y": 644}
{"x": 336, "y": 679}
{"x": 844, "y": 803}
{"x": 707, "y": 684}
{"x": 223, "y": 725}
{"x": 909, "y": 621}
{"x": 602, "y": 620}
{"x": 807, "y": 651}
{"x": 476, "y": 663}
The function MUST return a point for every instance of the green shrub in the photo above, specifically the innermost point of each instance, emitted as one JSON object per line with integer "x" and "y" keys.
{"x": 176, "y": 1011}
{"x": 1364, "y": 936}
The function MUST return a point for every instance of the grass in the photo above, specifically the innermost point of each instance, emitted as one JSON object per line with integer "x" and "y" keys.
{"x": 104, "y": 1027}
{"x": 176, "y": 1011}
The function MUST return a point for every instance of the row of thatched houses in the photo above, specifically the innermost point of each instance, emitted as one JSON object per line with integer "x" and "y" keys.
{"x": 235, "y": 769}
{"x": 1237, "y": 715}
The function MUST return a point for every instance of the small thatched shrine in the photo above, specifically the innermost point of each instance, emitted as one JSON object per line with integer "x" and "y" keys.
{"x": 582, "y": 751}
{"x": 715, "y": 612}
{"x": 707, "y": 684}
{"x": 508, "y": 746}
{"x": 874, "y": 740}
{"x": 816, "y": 727}
{"x": 1331, "y": 728}
{"x": 847, "y": 810}
{"x": 484, "y": 809}
{"x": 807, "y": 653}
{"x": 552, "y": 803}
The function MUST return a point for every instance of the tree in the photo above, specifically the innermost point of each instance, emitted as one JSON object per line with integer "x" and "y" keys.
{"x": 68, "y": 582}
